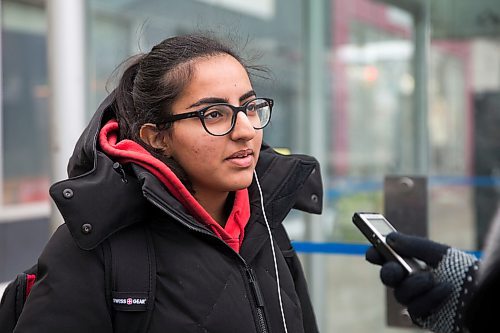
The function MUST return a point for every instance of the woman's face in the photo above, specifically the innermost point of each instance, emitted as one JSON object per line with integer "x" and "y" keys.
{"x": 215, "y": 164}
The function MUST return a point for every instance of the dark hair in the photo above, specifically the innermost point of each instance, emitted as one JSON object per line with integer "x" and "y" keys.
{"x": 151, "y": 83}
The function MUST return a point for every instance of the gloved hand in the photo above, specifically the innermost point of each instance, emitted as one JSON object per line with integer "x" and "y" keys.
{"x": 434, "y": 297}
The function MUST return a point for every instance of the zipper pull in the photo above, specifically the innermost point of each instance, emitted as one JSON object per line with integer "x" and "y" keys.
{"x": 118, "y": 168}
{"x": 255, "y": 287}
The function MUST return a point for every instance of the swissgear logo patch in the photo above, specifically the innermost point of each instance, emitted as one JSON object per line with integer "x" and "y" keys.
{"x": 129, "y": 301}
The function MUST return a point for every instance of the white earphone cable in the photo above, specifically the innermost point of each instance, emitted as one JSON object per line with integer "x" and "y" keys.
{"x": 272, "y": 249}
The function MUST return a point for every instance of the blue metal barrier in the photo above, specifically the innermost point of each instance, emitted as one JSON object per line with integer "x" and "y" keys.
{"x": 347, "y": 186}
{"x": 341, "y": 248}
{"x": 330, "y": 248}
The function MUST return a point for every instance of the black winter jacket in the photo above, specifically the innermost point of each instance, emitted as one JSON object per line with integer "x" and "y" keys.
{"x": 482, "y": 311}
{"x": 202, "y": 285}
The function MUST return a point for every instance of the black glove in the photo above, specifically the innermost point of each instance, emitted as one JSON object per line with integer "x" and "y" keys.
{"x": 435, "y": 296}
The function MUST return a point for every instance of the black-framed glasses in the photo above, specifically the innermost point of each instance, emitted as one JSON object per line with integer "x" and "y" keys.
{"x": 219, "y": 119}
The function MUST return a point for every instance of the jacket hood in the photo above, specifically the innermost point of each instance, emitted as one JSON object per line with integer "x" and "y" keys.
{"x": 84, "y": 158}
{"x": 288, "y": 181}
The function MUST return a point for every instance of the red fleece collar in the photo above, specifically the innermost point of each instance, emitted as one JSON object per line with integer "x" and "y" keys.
{"x": 128, "y": 151}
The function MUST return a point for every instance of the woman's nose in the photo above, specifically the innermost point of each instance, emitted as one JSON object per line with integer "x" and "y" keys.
{"x": 243, "y": 128}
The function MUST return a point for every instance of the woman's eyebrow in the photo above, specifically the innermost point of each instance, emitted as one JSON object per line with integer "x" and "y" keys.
{"x": 208, "y": 100}
{"x": 250, "y": 93}
{"x": 213, "y": 100}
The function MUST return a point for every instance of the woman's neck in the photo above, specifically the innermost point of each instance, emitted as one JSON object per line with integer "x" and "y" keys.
{"x": 218, "y": 205}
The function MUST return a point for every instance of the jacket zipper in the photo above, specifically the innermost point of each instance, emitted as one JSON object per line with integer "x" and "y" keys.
{"x": 252, "y": 281}
{"x": 259, "y": 300}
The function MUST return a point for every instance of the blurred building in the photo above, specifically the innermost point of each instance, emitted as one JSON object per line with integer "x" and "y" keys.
{"x": 371, "y": 87}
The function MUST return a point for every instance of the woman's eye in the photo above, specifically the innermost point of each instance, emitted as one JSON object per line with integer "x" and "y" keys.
{"x": 217, "y": 113}
{"x": 213, "y": 115}
{"x": 251, "y": 107}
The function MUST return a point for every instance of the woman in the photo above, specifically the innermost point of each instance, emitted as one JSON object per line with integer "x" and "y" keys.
{"x": 183, "y": 133}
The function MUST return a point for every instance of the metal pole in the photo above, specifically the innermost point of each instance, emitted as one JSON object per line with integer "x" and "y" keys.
{"x": 317, "y": 143}
{"x": 422, "y": 45}
{"x": 66, "y": 45}
{"x": 2, "y": 189}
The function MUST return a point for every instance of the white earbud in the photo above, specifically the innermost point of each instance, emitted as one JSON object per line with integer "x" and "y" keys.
{"x": 272, "y": 249}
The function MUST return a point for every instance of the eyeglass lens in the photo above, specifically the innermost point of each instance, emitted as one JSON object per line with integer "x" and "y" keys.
{"x": 218, "y": 119}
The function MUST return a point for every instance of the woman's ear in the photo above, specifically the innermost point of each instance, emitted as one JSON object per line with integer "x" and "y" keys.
{"x": 155, "y": 138}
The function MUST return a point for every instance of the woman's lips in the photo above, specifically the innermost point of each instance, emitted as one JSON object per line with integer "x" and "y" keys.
{"x": 242, "y": 153}
{"x": 242, "y": 158}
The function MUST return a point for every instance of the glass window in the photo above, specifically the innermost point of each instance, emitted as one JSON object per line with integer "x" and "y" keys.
{"x": 464, "y": 118}
{"x": 378, "y": 57}
{"x": 372, "y": 107}
{"x": 24, "y": 110}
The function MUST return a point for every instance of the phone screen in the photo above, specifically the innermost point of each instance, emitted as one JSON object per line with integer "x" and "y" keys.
{"x": 382, "y": 226}
{"x": 375, "y": 228}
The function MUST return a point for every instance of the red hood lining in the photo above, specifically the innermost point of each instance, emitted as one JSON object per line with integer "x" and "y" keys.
{"x": 128, "y": 151}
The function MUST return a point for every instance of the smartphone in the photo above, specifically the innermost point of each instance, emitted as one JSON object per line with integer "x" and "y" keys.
{"x": 375, "y": 227}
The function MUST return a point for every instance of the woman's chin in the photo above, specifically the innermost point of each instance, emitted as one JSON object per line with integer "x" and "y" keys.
{"x": 241, "y": 183}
